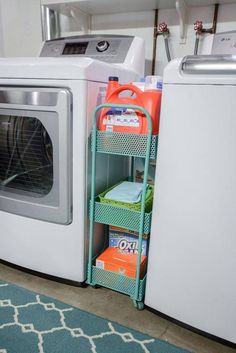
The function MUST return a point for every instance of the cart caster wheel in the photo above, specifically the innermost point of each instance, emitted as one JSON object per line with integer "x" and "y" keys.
{"x": 138, "y": 305}
{"x": 95, "y": 286}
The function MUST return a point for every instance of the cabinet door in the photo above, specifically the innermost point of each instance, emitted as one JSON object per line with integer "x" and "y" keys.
{"x": 20, "y": 28}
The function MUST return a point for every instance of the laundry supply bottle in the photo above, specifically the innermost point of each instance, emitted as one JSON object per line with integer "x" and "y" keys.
{"x": 113, "y": 83}
{"x": 101, "y": 98}
{"x": 152, "y": 96}
{"x": 130, "y": 120}
{"x": 105, "y": 119}
{"x": 140, "y": 84}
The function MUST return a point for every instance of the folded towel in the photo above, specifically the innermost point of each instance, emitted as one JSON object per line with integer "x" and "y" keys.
{"x": 126, "y": 192}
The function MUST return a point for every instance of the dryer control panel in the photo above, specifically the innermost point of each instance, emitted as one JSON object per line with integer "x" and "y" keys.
{"x": 108, "y": 48}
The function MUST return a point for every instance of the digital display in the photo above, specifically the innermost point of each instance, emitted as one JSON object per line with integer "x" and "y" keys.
{"x": 75, "y": 48}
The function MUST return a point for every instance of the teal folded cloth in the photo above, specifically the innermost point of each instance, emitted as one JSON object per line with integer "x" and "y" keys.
{"x": 126, "y": 192}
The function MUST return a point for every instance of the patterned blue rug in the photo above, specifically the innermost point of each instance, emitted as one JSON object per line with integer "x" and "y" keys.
{"x": 33, "y": 323}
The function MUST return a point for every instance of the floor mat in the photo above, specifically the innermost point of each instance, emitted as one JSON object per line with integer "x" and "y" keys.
{"x": 34, "y": 323}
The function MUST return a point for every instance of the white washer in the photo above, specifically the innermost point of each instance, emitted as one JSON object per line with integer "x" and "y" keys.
{"x": 192, "y": 261}
{"x": 45, "y": 124}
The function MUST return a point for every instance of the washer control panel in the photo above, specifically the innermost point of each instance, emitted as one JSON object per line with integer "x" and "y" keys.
{"x": 224, "y": 43}
{"x": 111, "y": 49}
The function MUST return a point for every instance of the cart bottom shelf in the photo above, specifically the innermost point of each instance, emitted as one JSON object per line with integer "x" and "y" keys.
{"x": 117, "y": 282}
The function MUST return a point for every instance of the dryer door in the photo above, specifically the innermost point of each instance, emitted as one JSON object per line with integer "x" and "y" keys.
{"x": 35, "y": 153}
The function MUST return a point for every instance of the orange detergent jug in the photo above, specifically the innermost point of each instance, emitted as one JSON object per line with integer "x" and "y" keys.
{"x": 126, "y": 119}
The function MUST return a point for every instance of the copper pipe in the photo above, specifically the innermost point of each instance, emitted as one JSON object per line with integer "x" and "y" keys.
{"x": 200, "y": 30}
{"x": 155, "y": 31}
{"x": 212, "y": 30}
{"x": 215, "y": 18}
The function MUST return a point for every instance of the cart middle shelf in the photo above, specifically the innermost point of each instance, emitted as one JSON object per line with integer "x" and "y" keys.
{"x": 120, "y": 217}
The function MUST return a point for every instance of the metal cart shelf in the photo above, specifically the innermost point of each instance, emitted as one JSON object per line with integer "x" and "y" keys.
{"x": 120, "y": 217}
{"x": 132, "y": 145}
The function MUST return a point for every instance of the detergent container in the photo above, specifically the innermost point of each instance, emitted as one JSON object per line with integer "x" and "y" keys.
{"x": 127, "y": 119}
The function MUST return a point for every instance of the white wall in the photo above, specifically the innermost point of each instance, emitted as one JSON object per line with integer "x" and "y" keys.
{"x": 141, "y": 24}
{"x": 21, "y": 27}
{"x": 137, "y": 23}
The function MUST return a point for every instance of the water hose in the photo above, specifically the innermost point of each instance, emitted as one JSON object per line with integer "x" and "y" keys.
{"x": 166, "y": 40}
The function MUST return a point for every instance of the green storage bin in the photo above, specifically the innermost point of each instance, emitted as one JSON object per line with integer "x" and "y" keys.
{"x": 131, "y": 206}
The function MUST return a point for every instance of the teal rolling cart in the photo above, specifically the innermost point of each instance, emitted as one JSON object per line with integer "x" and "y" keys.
{"x": 124, "y": 144}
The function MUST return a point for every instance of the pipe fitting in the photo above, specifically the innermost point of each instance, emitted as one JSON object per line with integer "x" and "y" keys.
{"x": 198, "y": 27}
{"x": 163, "y": 29}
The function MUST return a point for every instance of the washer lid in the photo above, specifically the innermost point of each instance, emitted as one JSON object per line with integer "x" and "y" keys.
{"x": 60, "y": 68}
{"x": 209, "y": 64}
{"x": 202, "y": 69}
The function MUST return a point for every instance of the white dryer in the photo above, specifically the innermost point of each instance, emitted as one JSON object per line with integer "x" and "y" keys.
{"x": 191, "y": 273}
{"x": 45, "y": 124}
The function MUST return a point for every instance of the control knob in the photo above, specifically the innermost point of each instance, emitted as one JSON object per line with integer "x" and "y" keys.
{"x": 102, "y": 46}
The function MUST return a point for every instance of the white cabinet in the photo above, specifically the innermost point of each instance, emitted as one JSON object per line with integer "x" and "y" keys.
{"x": 20, "y": 27}
{"x": 1, "y": 33}
{"x": 82, "y": 10}
{"x": 95, "y": 7}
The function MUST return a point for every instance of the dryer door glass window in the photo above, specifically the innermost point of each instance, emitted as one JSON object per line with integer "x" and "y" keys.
{"x": 35, "y": 153}
{"x": 26, "y": 156}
